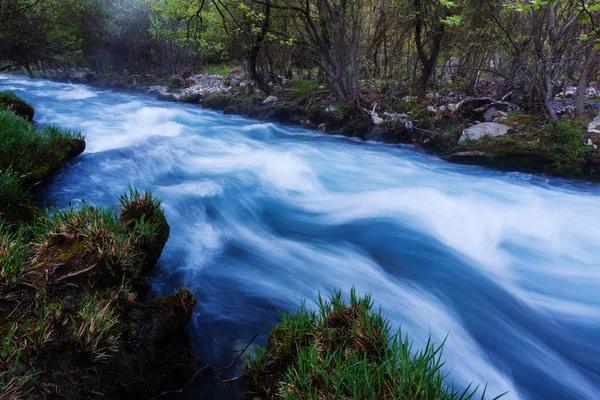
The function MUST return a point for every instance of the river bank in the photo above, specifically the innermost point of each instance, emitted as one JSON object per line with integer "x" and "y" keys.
{"x": 74, "y": 320}
{"x": 445, "y": 125}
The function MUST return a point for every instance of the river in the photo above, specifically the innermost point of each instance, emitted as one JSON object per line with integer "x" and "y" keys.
{"x": 506, "y": 265}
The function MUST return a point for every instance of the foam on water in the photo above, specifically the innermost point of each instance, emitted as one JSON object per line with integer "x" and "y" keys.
{"x": 506, "y": 265}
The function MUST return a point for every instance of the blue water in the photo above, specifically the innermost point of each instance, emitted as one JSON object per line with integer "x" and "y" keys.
{"x": 506, "y": 264}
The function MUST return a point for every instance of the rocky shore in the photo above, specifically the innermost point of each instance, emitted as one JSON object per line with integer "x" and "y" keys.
{"x": 477, "y": 131}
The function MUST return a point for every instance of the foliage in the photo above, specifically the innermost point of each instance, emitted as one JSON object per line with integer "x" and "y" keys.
{"x": 346, "y": 350}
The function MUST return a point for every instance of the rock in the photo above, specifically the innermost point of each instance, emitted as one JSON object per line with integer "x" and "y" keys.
{"x": 270, "y": 99}
{"x": 570, "y": 91}
{"x": 432, "y": 109}
{"x": 22, "y": 109}
{"x": 488, "y": 115}
{"x": 322, "y": 127}
{"x": 591, "y": 92}
{"x": 235, "y": 82}
{"x": 478, "y": 131}
{"x": 594, "y": 126}
{"x": 451, "y": 107}
{"x": 166, "y": 96}
{"x": 499, "y": 120}
{"x": 471, "y": 158}
{"x": 190, "y": 97}
{"x": 500, "y": 114}
{"x": 238, "y": 74}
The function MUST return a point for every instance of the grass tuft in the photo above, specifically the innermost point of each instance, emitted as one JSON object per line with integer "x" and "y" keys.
{"x": 346, "y": 351}
{"x": 12, "y": 193}
{"x": 15, "y": 256}
{"x": 97, "y": 328}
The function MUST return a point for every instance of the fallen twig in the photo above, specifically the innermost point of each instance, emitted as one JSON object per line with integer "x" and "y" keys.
{"x": 183, "y": 388}
{"x": 74, "y": 274}
{"x": 221, "y": 370}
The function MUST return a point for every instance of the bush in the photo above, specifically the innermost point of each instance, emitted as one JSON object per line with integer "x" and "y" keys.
{"x": 346, "y": 351}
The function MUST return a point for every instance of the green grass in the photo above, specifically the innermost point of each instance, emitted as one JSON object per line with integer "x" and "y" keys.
{"x": 15, "y": 256}
{"x": 12, "y": 192}
{"x": 7, "y": 97}
{"x": 347, "y": 351}
{"x": 121, "y": 239}
{"x": 97, "y": 329}
{"x": 301, "y": 90}
{"x": 23, "y": 147}
{"x": 98, "y": 229}
{"x": 218, "y": 69}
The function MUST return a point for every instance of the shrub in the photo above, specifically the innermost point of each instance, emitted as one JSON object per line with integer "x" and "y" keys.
{"x": 346, "y": 351}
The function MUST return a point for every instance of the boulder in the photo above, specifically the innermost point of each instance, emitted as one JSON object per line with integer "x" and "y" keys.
{"x": 500, "y": 114}
{"x": 234, "y": 82}
{"x": 478, "y": 131}
{"x": 270, "y": 99}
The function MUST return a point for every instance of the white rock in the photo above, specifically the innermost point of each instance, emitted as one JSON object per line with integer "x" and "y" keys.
{"x": 570, "y": 91}
{"x": 594, "y": 126}
{"x": 500, "y": 114}
{"x": 270, "y": 99}
{"x": 488, "y": 115}
{"x": 478, "y": 131}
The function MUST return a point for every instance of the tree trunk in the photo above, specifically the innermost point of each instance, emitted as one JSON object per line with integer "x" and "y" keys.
{"x": 427, "y": 61}
{"x": 582, "y": 83}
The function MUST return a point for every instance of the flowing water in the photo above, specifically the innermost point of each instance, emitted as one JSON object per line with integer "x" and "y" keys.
{"x": 506, "y": 265}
